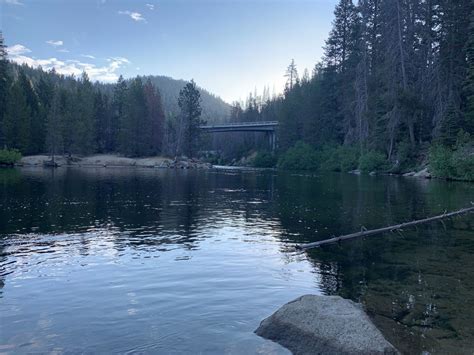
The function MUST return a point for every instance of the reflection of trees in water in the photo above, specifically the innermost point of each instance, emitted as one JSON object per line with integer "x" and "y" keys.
{"x": 413, "y": 284}
{"x": 3, "y": 263}
{"x": 141, "y": 207}
{"x": 422, "y": 280}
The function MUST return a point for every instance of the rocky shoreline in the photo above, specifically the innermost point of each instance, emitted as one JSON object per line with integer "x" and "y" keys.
{"x": 109, "y": 160}
{"x": 424, "y": 173}
{"x": 112, "y": 161}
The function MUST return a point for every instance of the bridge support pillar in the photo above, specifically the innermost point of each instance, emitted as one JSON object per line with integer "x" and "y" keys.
{"x": 272, "y": 140}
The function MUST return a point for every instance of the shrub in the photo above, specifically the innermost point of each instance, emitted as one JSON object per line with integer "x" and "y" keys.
{"x": 463, "y": 164}
{"x": 264, "y": 160}
{"x": 440, "y": 161}
{"x": 329, "y": 159}
{"x": 373, "y": 161}
{"x": 349, "y": 158}
{"x": 454, "y": 163}
{"x": 9, "y": 156}
{"x": 300, "y": 157}
{"x": 343, "y": 158}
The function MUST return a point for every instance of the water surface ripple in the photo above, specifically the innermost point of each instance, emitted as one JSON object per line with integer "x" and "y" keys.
{"x": 158, "y": 261}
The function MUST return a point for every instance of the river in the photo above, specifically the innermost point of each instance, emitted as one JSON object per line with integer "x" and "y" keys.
{"x": 101, "y": 260}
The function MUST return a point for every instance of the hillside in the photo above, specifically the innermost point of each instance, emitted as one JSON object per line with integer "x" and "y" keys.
{"x": 214, "y": 109}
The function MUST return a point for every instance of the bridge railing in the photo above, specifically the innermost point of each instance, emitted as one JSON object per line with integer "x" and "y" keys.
{"x": 241, "y": 124}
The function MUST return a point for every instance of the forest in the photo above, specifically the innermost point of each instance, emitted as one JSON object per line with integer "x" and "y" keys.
{"x": 394, "y": 90}
{"x": 44, "y": 112}
{"x": 396, "y": 84}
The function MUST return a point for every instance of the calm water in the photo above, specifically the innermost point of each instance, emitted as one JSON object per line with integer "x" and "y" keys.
{"x": 101, "y": 260}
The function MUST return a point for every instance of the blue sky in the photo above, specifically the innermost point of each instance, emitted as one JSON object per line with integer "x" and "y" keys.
{"x": 229, "y": 47}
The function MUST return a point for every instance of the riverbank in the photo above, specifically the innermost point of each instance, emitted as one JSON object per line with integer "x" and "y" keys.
{"x": 110, "y": 160}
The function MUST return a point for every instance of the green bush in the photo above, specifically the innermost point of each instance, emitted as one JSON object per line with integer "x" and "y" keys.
{"x": 349, "y": 158}
{"x": 454, "y": 163}
{"x": 373, "y": 161}
{"x": 264, "y": 160}
{"x": 300, "y": 157}
{"x": 441, "y": 161}
{"x": 329, "y": 159}
{"x": 463, "y": 164}
{"x": 343, "y": 158}
{"x": 9, "y": 156}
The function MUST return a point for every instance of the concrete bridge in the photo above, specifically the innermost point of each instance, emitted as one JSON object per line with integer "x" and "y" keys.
{"x": 268, "y": 127}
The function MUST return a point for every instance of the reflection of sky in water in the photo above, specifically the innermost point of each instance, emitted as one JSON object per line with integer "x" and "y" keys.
{"x": 147, "y": 260}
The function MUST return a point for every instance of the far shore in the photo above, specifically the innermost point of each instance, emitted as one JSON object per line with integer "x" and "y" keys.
{"x": 117, "y": 161}
{"x": 110, "y": 160}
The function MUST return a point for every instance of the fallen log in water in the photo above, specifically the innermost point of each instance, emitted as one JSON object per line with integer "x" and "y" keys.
{"x": 367, "y": 233}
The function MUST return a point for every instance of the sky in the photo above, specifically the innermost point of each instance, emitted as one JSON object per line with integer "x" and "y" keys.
{"x": 229, "y": 47}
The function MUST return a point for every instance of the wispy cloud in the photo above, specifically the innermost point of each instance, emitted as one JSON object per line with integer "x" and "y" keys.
{"x": 150, "y": 6}
{"x": 87, "y": 56}
{"x": 17, "y": 49}
{"x": 105, "y": 73}
{"x": 63, "y": 50}
{"x": 55, "y": 43}
{"x": 135, "y": 16}
{"x": 13, "y": 2}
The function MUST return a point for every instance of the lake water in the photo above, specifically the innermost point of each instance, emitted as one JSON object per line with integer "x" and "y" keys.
{"x": 140, "y": 261}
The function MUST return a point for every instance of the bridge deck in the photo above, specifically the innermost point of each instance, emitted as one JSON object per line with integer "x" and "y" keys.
{"x": 266, "y": 126}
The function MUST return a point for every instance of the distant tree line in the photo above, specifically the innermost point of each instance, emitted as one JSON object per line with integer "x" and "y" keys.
{"x": 397, "y": 77}
{"x": 43, "y": 112}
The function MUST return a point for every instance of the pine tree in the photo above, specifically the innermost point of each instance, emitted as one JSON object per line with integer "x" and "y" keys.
{"x": 135, "y": 132}
{"x": 189, "y": 102}
{"x": 45, "y": 93}
{"x": 453, "y": 66}
{"x": 155, "y": 118}
{"x": 119, "y": 122}
{"x": 341, "y": 41}
{"x": 101, "y": 122}
{"x": 16, "y": 121}
{"x": 54, "y": 137}
{"x": 4, "y": 86}
{"x": 469, "y": 82}
{"x": 291, "y": 76}
{"x": 84, "y": 138}
{"x": 36, "y": 119}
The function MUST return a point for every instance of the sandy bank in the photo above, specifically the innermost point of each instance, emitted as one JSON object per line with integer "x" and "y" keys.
{"x": 109, "y": 160}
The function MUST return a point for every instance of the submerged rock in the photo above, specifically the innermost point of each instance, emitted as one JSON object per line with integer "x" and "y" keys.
{"x": 324, "y": 325}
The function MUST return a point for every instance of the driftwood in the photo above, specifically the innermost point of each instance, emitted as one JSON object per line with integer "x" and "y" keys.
{"x": 367, "y": 233}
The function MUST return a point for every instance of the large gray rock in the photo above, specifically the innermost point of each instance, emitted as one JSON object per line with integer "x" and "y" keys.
{"x": 324, "y": 325}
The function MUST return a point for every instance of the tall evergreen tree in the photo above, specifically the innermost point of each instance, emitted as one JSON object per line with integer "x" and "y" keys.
{"x": 36, "y": 119}
{"x": 136, "y": 134}
{"x": 155, "y": 118}
{"x": 291, "y": 75}
{"x": 16, "y": 120}
{"x": 54, "y": 137}
{"x": 189, "y": 102}
{"x": 119, "y": 121}
{"x": 4, "y": 86}
{"x": 102, "y": 122}
{"x": 341, "y": 41}
{"x": 469, "y": 82}
{"x": 45, "y": 93}
{"x": 84, "y": 138}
